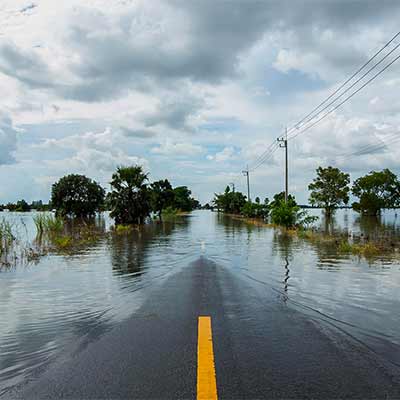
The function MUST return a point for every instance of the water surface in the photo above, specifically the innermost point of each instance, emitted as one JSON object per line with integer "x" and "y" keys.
{"x": 64, "y": 301}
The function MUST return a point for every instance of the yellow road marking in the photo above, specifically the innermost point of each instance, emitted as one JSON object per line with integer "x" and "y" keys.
{"x": 206, "y": 382}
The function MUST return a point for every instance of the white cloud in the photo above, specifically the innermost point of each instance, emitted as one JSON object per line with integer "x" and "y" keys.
{"x": 172, "y": 84}
{"x": 8, "y": 140}
{"x": 226, "y": 154}
{"x": 169, "y": 148}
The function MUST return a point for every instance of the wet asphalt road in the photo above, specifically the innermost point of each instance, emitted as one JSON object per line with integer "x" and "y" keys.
{"x": 263, "y": 348}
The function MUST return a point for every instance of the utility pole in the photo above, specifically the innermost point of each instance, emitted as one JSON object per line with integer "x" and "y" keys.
{"x": 283, "y": 142}
{"x": 246, "y": 173}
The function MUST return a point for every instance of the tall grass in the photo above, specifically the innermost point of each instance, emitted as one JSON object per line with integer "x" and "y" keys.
{"x": 48, "y": 224}
{"x": 6, "y": 235}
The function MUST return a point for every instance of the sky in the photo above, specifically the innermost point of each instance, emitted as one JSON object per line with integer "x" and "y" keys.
{"x": 191, "y": 90}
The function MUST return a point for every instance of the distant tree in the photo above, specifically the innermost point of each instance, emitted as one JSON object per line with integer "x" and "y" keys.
{"x": 229, "y": 201}
{"x": 22, "y": 206}
{"x": 37, "y": 204}
{"x": 77, "y": 196}
{"x": 183, "y": 199}
{"x": 256, "y": 210}
{"x": 329, "y": 189}
{"x": 161, "y": 196}
{"x": 279, "y": 197}
{"x": 130, "y": 197}
{"x": 376, "y": 190}
{"x": 11, "y": 206}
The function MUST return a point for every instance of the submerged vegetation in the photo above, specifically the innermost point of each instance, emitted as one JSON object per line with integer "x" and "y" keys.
{"x": 48, "y": 223}
{"x": 134, "y": 200}
{"x": 6, "y": 236}
{"x": 329, "y": 190}
{"x": 278, "y": 212}
{"x": 355, "y": 245}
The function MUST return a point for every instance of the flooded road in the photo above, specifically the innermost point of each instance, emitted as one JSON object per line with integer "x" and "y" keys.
{"x": 65, "y": 303}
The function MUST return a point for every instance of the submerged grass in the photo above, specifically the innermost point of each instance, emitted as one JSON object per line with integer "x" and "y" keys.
{"x": 7, "y": 240}
{"x": 341, "y": 243}
{"x": 6, "y": 234}
{"x": 56, "y": 234}
{"x": 48, "y": 223}
{"x": 122, "y": 229}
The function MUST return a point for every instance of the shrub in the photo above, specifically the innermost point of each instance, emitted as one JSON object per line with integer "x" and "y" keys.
{"x": 77, "y": 196}
{"x": 289, "y": 214}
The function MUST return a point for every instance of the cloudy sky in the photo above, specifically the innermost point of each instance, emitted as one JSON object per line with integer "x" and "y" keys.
{"x": 192, "y": 90}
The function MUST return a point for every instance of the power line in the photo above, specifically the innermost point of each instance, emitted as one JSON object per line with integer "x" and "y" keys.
{"x": 264, "y": 154}
{"x": 296, "y": 126}
{"x": 353, "y": 84}
{"x": 266, "y": 158}
{"x": 371, "y": 148}
{"x": 363, "y": 151}
{"x": 345, "y": 100}
{"x": 316, "y": 112}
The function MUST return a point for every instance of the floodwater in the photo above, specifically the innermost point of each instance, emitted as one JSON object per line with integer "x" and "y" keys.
{"x": 62, "y": 302}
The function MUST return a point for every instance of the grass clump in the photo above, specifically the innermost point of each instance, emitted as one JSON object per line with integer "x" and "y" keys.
{"x": 48, "y": 224}
{"x": 63, "y": 242}
{"x": 346, "y": 247}
{"x": 121, "y": 229}
{"x": 6, "y": 236}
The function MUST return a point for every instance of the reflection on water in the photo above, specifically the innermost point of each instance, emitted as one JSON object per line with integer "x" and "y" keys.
{"x": 66, "y": 301}
{"x": 347, "y": 221}
{"x": 358, "y": 297}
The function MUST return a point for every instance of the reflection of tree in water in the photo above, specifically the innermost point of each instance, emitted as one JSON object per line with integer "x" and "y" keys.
{"x": 129, "y": 249}
{"x": 328, "y": 223}
{"x": 282, "y": 244}
{"x": 374, "y": 227}
{"x": 232, "y": 225}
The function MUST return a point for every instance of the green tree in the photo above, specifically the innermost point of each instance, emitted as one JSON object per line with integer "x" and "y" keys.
{"x": 280, "y": 197}
{"x": 77, "y": 196}
{"x": 11, "y": 206}
{"x": 22, "y": 206}
{"x": 376, "y": 190}
{"x": 230, "y": 202}
{"x": 256, "y": 210}
{"x": 289, "y": 214}
{"x": 183, "y": 199}
{"x": 130, "y": 197}
{"x": 161, "y": 195}
{"x": 329, "y": 189}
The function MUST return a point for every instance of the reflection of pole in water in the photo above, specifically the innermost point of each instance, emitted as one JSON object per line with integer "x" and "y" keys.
{"x": 286, "y": 280}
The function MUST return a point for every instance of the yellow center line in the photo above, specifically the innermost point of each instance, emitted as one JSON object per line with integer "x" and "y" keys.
{"x": 206, "y": 381}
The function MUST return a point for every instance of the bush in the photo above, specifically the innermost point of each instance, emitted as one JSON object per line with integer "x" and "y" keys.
{"x": 77, "y": 196}
{"x": 48, "y": 223}
{"x": 289, "y": 214}
{"x": 255, "y": 210}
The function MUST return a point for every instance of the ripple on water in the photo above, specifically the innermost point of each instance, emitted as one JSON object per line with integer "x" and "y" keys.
{"x": 75, "y": 298}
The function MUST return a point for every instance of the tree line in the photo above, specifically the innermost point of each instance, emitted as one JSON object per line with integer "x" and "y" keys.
{"x": 278, "y": 211}
{"x": 24, "y": 206}
{"x": 329, "y": 190}
{"x": 131, "y": 200}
